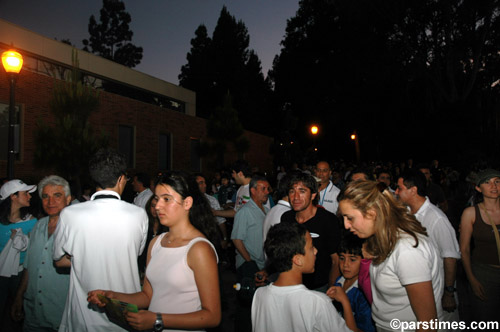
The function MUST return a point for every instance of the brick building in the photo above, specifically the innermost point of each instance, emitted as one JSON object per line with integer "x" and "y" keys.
{"x": 154, "y": 123}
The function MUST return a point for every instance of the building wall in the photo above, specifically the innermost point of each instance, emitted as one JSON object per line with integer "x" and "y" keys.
{"x": 34, "y": 92}
{"x": 44, "y": 57}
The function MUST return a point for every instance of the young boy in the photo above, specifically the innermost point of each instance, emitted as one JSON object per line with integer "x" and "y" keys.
{"x": 350, "y": 256}
{"x": 286, "y": 304}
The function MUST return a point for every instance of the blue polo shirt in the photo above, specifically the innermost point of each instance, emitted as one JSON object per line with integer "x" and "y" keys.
{"x": 45, "y": 296}
{"x": 248, "y": 223}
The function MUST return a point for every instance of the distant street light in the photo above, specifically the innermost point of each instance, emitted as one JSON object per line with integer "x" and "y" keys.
{"x": 314, "y": 130}
{"x": 12, "y": 62}
{"x": 355, "y": 138}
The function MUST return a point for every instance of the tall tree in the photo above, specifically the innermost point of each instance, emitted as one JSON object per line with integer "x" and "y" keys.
{"x": 223, "y": 64}
{"x": 224, "y": 128}
{"x": 67, "y": 145}
{"x": 198, "y": 74}
{"x": 450, "y": 51}
{"x": 111, "y": 38}
{"x": 382, "y": 66}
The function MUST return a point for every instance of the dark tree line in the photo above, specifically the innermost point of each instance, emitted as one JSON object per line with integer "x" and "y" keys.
{"x": 223, "y": 64}
{"x": 412, "y": 77}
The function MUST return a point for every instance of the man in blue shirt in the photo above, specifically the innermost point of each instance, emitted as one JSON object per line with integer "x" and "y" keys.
{"x": 248, "y": 222}
{"x": 247, "y": 239}
{"x": 44, "y": 287}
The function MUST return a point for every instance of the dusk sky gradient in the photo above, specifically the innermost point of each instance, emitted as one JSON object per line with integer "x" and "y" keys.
{"x": 163, "y": 28}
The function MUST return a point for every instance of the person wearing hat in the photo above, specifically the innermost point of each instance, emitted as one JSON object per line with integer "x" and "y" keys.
{"x": 482, "y": 266}
{"x": 15, "y": 198}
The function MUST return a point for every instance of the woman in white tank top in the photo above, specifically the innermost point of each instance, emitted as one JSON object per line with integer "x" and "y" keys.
{"x": 181, "y": 287}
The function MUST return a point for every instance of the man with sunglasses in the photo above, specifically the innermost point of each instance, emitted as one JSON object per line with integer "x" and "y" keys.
{"x": 100, "y": 241}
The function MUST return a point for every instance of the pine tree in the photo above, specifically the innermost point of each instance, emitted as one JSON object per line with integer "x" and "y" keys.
{"x": 111, "y": 38}
{"x": 223, "y": 64}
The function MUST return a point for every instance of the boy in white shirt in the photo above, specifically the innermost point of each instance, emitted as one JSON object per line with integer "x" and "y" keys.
{"x": 286, "y": 304}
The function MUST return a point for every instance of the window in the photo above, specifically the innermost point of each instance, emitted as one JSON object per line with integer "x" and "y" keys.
{"x": 4, "y": 130}
{"x": 165, "y": 152}
{"x": 126, "y": 144}
{"x": 195, "y": 155}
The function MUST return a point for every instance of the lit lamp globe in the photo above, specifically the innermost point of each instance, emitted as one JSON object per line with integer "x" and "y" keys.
{"x": 353, "y": 137}
{"x": 12, "y": 61}
{"x": 314, "y": 130}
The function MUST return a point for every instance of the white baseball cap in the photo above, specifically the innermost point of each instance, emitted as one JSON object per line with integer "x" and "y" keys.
{"x": 13, "y": 186}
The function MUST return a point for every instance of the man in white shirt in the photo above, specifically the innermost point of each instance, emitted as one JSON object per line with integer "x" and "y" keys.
{"x": 273, "y": 217}
{"x": 100, "y": 240}
{"x": 141, "y": 184}
{"x": 328, "y": 192}
{"x": 241, "y": 173}
{"x": 411, "y": 191}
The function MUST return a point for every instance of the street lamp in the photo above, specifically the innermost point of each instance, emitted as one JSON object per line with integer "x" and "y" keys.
{"x": 314, "y": 130}
{"x": 12, "y": 62}
{"x": 355, "y": 138}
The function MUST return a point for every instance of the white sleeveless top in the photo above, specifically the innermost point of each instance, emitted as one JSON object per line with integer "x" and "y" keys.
{"x": 172, "y": 280}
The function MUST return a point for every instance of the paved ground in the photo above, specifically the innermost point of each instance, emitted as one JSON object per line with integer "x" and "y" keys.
{"x": 228, "y": 278}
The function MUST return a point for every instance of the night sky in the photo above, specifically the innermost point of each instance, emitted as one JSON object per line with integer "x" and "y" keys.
{"x": 163, "y": 28}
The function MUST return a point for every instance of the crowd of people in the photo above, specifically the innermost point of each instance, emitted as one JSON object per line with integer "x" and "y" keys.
{"x": 330, "y": 246}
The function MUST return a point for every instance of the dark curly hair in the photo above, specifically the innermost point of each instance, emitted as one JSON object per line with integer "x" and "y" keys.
{"x": 284, "y": 240}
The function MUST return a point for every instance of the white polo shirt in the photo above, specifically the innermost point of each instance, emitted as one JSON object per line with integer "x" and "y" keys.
{"x": 328, "y": 198}
{"x": 104, "y": 237}
{"x": 439, "y": 229}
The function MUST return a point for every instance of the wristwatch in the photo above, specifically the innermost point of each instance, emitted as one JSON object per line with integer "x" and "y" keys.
{"x": 159, "y": 323}
{"x": 450, "y": 289}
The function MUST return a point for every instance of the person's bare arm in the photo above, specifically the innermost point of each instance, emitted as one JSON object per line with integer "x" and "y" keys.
{"x": 202, "y": 260}
{"x": 229, "y": 213}
{"x": 466, "y": 224}
{"x": 223, "y": 230}
{"x": 422, "y": 302}
{"x": 142, "y": 299}
{"x": 64, "y": 261}
{"x": 334, "y": 271}
{"x": 337, "y": 293}
{"x": 450, "y": 271}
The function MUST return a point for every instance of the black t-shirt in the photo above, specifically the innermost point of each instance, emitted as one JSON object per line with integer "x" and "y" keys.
{"x": 327, "y": 226}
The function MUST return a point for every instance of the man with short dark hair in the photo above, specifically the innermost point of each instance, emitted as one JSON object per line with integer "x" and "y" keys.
{"x": 140, "y": 184}
{"x": 359, "y": 174}
{"x": 328, "y": 192}
{"x": 273, "y": 217}
{"x": 434, "y": 191}
{"x": 241, "y": 173}
{"x": 411, "y": 191}
{"x": 100, "y": 240}
{"x": 384, "y": 176}
{"x": 324, "y": 227}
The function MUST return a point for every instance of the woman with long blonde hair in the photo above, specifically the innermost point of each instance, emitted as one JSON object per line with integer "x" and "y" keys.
{"x": 406, "y": 272}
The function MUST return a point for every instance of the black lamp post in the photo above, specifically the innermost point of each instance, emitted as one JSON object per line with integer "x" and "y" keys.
{"x": 12, "y": 62}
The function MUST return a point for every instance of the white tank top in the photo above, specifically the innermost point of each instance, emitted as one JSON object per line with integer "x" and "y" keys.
{"x": 172, "y": 280}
